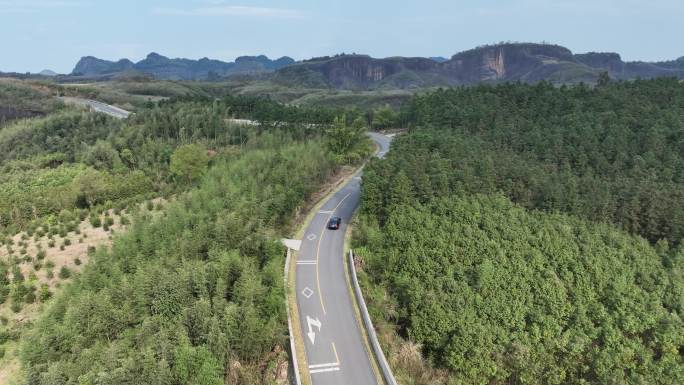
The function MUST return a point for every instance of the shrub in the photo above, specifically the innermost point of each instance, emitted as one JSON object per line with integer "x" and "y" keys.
{"x": 72, "y": 226}
{"x": 30, "y": 297}
{"x": 109, "y": 221}
{"x": 64, "y": 272}
{"x": 95, "y": 220}
{"x": 50, "y": 274}
{"x": 65, "y": 216}
{"x": 45, "y": 293}
{"x": 67, "y": 242}
{"x": 16, "y": 307}
{"x": 51, "y": 243}
{"x": 77, "y": 261}
{"x": 49, "y": 265}
{"x": 37, "y": 266}
{"x": 17, "y": 275}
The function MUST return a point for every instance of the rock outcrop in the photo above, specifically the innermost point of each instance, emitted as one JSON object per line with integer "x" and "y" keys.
{"x": 525, "y": 62}
{"x": 162, "y": 67}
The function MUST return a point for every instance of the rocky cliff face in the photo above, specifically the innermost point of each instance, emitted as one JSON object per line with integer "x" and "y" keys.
{"x": 525, "y": 62}
{"x": 504, "y": 62}
{"x": 90, "y": 65}
{"x": 490, "y": 64}
{"x": 357, "y": 71}
{"x": 162, "y": 67}
{"x": 608, "y": 61}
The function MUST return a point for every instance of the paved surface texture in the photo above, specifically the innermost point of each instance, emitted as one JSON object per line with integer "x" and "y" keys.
{"x": 99, "y": 107}
{"x": 334, "y": 344}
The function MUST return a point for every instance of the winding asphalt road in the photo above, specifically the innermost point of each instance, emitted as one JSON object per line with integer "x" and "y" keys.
{"x": 96, "y": 106}
{"x": 335, "y": 350}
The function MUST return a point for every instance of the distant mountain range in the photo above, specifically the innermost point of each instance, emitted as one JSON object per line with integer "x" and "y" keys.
{"x": 162, "y": 67}
{"x": 526, "y": 62}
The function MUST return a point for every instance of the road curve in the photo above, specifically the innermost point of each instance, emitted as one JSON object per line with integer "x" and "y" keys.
{"x": 96, "y": 106}
{"x": 335, "y": 350}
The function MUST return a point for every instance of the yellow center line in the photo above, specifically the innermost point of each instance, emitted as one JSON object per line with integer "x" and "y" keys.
{"x": 318, "y": 252}
{"x": 337, "y": 358}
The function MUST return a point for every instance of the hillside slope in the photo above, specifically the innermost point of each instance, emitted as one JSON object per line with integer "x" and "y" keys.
{"x": 524, "y": 62}
{"x": 531, "y": 234}
{"x": 162, "y": 67}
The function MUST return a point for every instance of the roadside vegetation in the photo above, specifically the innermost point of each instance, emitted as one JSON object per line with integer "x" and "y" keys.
{"x": 525, "y": 234}
{"x": 72, "y": 183}
{"x": 21, "y": 99}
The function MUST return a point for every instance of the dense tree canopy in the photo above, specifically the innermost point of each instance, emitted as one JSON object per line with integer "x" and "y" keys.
{"x": 613, "y": 154}
{"x": 189, "y": 161}
{"x": 183, "y": 296}
{"x": 192, "y": 293}
{"x": 41, "y": 159}
{"x": 496, "y": 234}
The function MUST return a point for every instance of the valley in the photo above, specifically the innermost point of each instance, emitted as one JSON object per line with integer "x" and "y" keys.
{"x": 341, "y": 193}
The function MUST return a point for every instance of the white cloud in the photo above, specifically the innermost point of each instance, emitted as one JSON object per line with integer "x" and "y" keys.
{"x": 233, "y": 10}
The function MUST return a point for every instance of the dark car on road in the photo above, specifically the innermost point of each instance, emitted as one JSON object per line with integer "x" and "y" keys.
{"x": 334, "y": 223}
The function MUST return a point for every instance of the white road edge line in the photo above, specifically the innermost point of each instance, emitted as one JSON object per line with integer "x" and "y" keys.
{"x": 306, "y": 262}
{"x": 336, "y": 369}
{"x": 324, "y": 365}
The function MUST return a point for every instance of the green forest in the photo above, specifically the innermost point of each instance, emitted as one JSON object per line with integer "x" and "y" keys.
{"x": 181, "y": 299}
{"x": 192, "y": 292}
{"x": 531, "y": 234}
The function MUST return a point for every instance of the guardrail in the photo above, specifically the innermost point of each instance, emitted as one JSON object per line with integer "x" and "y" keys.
{"x": 293, "y": 349}
{"x": 368, "y": 324}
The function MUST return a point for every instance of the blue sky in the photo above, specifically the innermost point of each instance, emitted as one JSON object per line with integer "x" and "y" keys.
{"x": 39, "y": 34}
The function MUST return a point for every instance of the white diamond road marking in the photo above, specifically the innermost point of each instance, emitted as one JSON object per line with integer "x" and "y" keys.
{"x": 307, "y": 292}
{"x": 311, "y": 237}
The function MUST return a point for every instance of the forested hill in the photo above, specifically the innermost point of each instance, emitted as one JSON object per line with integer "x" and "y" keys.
{"x": 162, "y": 67}
{"x": 505, "y": 62}
{"x": 191, "y": 291}
{"x": 610, "y": 154}
{"x": 525, "y": 234}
